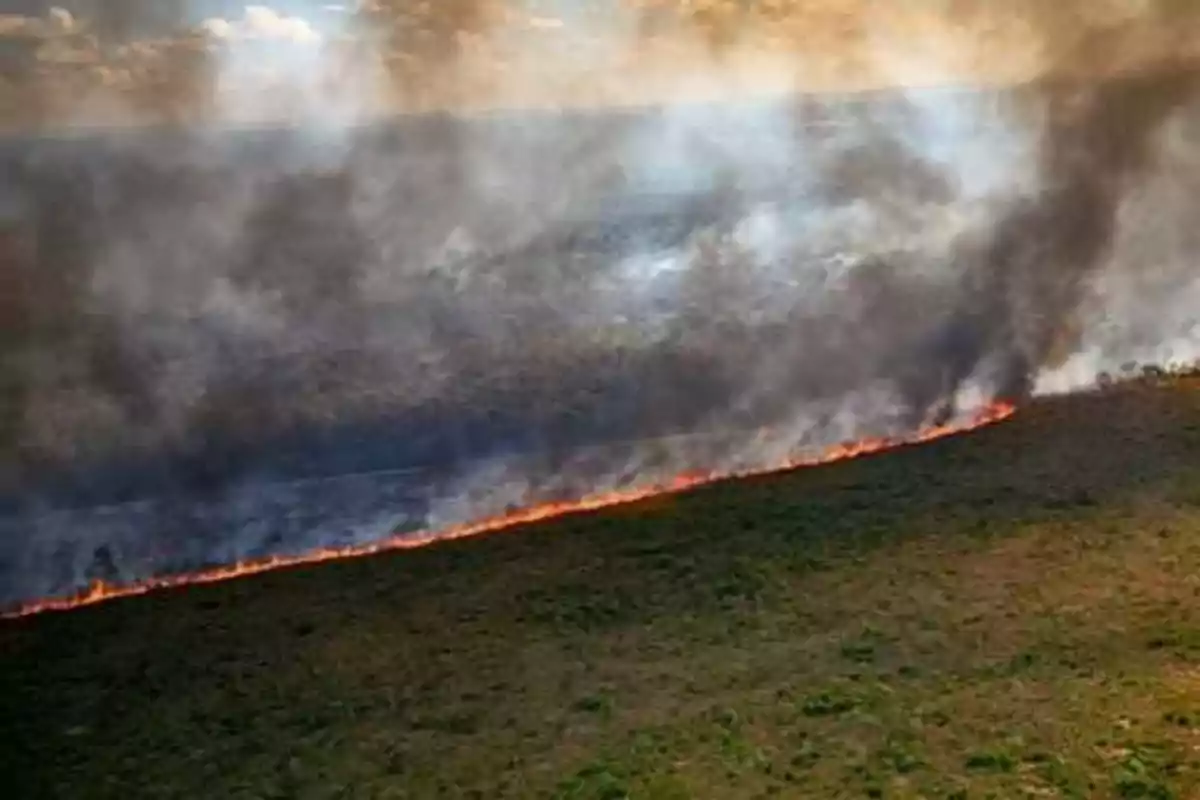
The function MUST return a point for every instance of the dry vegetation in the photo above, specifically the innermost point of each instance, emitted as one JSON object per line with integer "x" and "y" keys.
{"x": 1007, "y": 614}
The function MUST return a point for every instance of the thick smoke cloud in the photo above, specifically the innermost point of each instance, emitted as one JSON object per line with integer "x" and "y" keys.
{"x": 1026, "y": 285}
{"x": 293, "y": 320}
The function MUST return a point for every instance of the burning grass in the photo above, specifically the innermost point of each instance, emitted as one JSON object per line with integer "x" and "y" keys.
{"x": 100, "y": 591}
{"x": 1010, "y": 612}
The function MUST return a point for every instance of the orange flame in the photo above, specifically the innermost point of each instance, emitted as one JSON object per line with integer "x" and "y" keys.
{"x": 100, "y": 591}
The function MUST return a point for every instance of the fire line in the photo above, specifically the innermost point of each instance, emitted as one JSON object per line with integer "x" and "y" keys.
{"x": 100, "y": 591}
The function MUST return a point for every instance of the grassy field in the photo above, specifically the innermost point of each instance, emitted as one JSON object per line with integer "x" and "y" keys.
{"x": 1010, "y": 613}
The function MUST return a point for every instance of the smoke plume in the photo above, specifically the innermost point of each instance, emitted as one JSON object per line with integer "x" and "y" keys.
{"x": 276, "y": 279}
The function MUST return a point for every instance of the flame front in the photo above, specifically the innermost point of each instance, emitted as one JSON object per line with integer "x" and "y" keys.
{"x": 100, "y": 591}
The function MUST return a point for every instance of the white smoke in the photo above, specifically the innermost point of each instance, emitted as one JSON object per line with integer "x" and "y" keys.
{"x": 803, "y": 229}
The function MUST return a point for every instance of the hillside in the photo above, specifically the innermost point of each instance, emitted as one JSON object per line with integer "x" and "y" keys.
{"x": 1006, "y": 613}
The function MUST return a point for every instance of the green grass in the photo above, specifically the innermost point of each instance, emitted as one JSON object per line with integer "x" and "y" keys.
{"x": 1010, "y": 613}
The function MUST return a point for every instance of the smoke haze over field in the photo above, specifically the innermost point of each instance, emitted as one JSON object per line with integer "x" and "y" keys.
{"x": 703, "y": 267}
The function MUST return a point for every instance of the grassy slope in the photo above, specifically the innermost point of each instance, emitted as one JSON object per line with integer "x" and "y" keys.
{"x": 1013, "y": 612}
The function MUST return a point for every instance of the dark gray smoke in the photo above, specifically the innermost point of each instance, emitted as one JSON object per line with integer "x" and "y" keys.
{"x": 225, "y": 344}
{"x": 1025, "y": 283}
